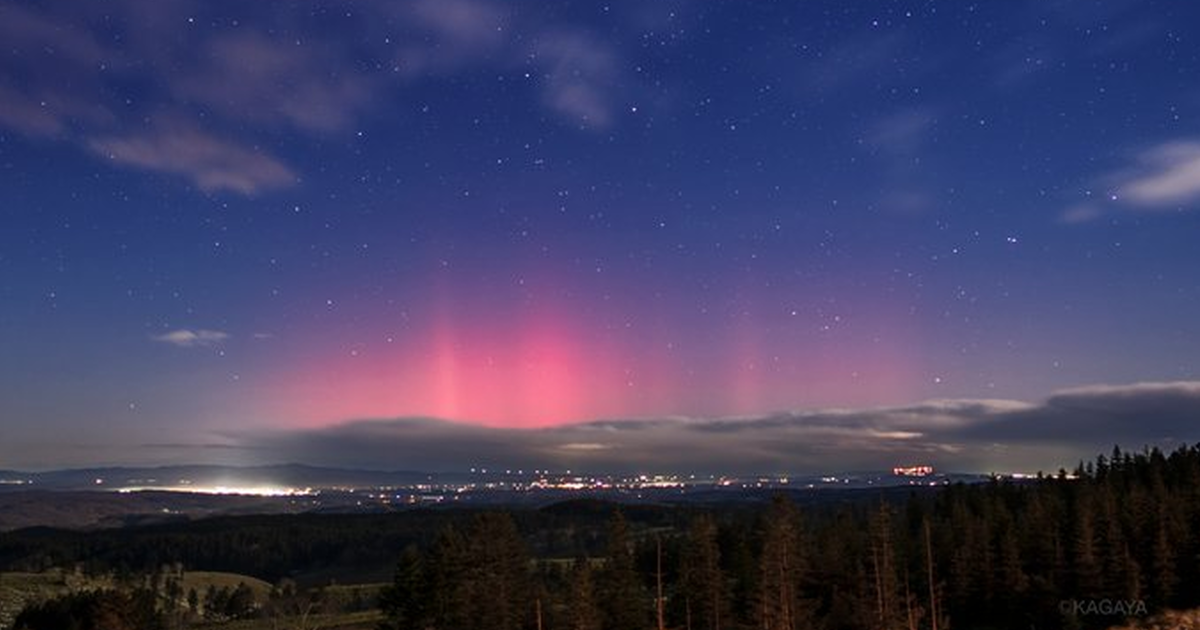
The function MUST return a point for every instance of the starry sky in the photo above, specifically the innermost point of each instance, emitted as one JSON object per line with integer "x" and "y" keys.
{"x": 438, "y": 232}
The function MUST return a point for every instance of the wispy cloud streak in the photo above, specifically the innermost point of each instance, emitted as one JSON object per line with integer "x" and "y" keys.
{"x": 279, "y": 77}
{"x": 1166, "y": 175}
{"x": 213, "y": 164}
{"x": 1162, "y": 178}
{"x": 188, "y": 338}
{"x": 579, "y": 78}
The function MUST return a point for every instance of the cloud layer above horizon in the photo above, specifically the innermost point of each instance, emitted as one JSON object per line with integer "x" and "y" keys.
{"x": 958, "y": 435}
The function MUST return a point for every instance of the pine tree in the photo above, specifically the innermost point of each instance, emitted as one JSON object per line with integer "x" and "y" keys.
{"x": 1163, "y": 577}
{"x": 742, "y": 571}
{"x": 782, "y": 568}
{"x": 1086, "y": 559}
{"x": 623, "y": 601}
{"x": 705, "y": 590}
{"x": 889, "y": 612}
{"x": 240, "y": 603}
{"x": 403, "y": 602}
{"x": 211, "y": 605}
{"x": 584, "y": 614}
{"x": 937, "y": 619}
{"x": 1011, "y": 583}
{"x": 446, "y": 569}
{"x": 496, "y": 582}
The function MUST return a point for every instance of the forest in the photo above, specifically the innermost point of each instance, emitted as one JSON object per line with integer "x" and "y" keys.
{"x": 1107, "y": 542}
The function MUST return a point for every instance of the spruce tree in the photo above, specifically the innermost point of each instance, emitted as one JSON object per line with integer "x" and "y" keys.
{"x": 889, "y": 610}
{"x": 583, "y": 611}
{"x": 706, "y": 593}
{"x": 623, "y": 601}
{"x": 782, "y": 569}
{"x": 403, "y": 602}
{"x": 496, "y": 581}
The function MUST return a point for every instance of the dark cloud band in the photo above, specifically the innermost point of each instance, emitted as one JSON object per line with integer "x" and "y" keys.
{"x": 964, "y": 435}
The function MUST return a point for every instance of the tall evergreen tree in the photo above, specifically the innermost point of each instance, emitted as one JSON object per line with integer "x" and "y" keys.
{"x": 496, "y": 582}
{"x": 783, "y": 566}
{"x": 1163, "y": 575}
{"x": 404, "y": 601}
{"x": 706, "y": 592}
{"x": 583, "y": 610}
{"x": 889, "y": 611}
{"x": 623, "y": 601}
{"x": 1086, "y": 561}
{"x": 446, "y": 570}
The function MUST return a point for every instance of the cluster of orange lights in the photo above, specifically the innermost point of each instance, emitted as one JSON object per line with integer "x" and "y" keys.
{"x": 913, "y": 471}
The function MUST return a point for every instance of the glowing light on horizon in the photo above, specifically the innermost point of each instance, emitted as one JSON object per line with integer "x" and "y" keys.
{"x": 252, "y": 491}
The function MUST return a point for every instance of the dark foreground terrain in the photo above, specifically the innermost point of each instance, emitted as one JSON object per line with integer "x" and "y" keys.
{"x": 1109, "y": 544}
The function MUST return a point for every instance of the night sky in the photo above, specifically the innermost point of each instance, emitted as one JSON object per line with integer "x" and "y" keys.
{"x": 779, "y": 235}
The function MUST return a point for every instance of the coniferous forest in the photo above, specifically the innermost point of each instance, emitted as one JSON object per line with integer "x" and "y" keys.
{"x": 1110, "y": 542}
{"x": 1087, "y": 549}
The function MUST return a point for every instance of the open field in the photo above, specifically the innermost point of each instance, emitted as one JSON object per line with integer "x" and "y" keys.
{"x": 202, "y": 580}
{"x": 19, "y": 589}
{"x": 365, "y": 620}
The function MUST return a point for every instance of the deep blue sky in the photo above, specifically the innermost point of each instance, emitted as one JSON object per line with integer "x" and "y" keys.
{"x": 232, "y": 226}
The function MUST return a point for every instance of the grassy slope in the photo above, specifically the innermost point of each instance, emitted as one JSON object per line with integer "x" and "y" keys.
{"x": 201, "y": 580}
{"x": 349, "y": 621}
{"x": 19, "y": 589}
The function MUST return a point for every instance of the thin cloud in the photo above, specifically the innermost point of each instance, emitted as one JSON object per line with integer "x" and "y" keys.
{"x": 211, "y": 163}
{"x": 450, "y": 36}
{"x": 56, "y": 63}
{"x": 854, "y": 62}
{"x": 278, "y": 72}
{"x": 898, "y": 141}
{"x": 467, "y": 24}
{"x": 584, "y": 446}
{"x": 580, "y": 77}
{"x": 249, "y": 76}
{"x": 30, "y": 116}
{"x": 27, "y": 31}
{"x": 1081, "y": 213}
{"x": 187, "y": 338}
{"x": 206, "y": 446}
{"x": 903, "y": 133}
{"x": 1165, "y": 176}
{"x": 964, "y": 435}
{"x": 1184, "y": 388}
{"x": 1021, "y": 61}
